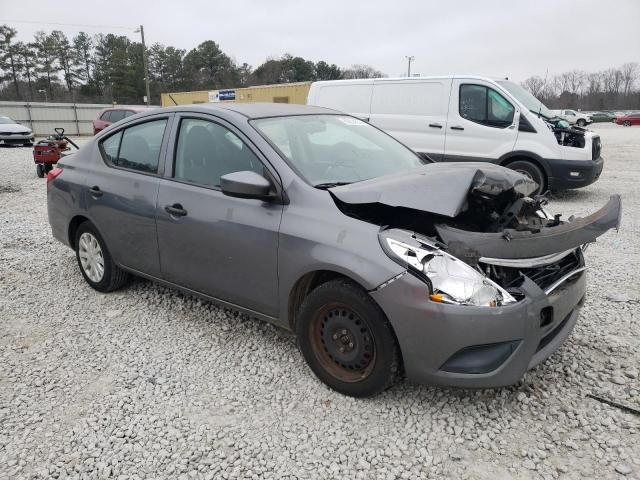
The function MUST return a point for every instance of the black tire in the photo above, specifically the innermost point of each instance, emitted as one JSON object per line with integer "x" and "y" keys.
{"x": 113, "y": 277}
{"x": 40, "y": 170}
{"x": 340, "y": 314}
{"x": 532, "y": 171}
{"x": 29, "y": 144}
{"x": 582, "y": 123}
{"x": 48, "y": 167}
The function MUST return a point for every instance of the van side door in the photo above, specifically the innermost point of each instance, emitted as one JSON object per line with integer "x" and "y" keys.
{"x": 414, "y": 112}
{"x": 482, "y": 123}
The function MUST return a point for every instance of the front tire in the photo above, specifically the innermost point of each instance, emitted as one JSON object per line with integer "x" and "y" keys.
{"x": 532, "y": 171}
{"x": 582, "y": 123}
{"x": 626, "y": 123}
{"x": 347, "y": 340}
{"x": 95, "y": 261}
{"x": 40, "y": 170}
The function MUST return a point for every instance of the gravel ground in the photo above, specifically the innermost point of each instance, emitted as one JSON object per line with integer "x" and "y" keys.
{"x": 149, "y": 383}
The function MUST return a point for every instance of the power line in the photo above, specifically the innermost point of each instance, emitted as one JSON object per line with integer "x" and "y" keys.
{"x": 70, "y": 24}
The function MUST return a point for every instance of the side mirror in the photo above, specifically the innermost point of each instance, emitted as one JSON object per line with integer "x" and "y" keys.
{"x": 246, "y": 184}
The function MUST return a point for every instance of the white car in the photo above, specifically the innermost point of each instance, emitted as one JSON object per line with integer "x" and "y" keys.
{"x": 471, "y": 118}
{"x": 581, "y": 119}
{"x": 13, "y": 133}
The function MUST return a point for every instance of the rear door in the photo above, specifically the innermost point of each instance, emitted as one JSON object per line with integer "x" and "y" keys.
{"x": 221, "y": 246}
{"x": 414, "y": 112}
{"x": 482, "y": 122}
{"x": 122, "y": 188}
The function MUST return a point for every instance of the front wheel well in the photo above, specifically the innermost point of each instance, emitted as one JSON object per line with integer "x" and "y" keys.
{"x": 304, "y": 286}
{"x": 522, "y": 158}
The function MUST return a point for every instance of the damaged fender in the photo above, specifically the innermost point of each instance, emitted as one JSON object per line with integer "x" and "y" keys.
{"x": 512, "y": 244}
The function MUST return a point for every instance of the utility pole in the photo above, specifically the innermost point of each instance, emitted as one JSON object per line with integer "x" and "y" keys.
{"x": 409, "y": 58}
{"x": 145, "y": 63}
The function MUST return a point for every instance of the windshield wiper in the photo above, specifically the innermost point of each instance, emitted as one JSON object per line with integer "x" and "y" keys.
{"x": 324, "y": 186}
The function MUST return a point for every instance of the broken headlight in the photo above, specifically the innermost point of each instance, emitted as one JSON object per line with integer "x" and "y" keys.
{"x": 449, "y": 278}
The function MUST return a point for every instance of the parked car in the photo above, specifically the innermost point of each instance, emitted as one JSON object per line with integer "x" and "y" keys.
{"x": 471, "y": 118}
{"x": 629, "y": 119}
{"x": 323, "y": 224}
{"x": 109, "y": 116}
{"x": 13, "y": 133}
{"x": 582, "y": 119}
{"x": 599, "y": 117}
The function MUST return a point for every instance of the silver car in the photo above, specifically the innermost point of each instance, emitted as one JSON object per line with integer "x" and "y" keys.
{"x": 13, "y": 133}
{"x": 385, "y": 266}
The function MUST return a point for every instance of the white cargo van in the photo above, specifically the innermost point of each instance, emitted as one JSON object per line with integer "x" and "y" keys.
{"x": 471, "y": 118}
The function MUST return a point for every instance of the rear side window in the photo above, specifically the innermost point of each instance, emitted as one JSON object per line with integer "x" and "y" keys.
{"x": 116, "y": 115}
{"x": 483, "y": 105}
{"x": 106, "y": 116}
{"x": 136, "y": 148}
{"x": 206, "y": 151}
{"x": 410, "y": 98}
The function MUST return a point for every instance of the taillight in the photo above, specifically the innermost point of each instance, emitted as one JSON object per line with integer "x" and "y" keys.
{"x": 53, "y": 174}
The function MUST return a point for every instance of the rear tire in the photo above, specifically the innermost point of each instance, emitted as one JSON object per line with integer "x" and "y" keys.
{"x": 347, "y": 340}
{"x": 626, "y": 123}
{"x": 582, "y": 123}
{"x": 532, "y": 171}
{"x": 95, "y": 261}
{"x": 40, "y": 170}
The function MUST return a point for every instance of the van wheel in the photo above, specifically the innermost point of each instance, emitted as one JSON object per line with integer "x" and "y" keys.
{"x": 532, "y": 171}
{"x": 95, "y": 262}
{"x": 347, "y": 340}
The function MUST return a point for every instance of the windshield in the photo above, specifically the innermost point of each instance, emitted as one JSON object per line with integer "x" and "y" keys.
{"x": 6, "y": 120}
{"x": 331, "y": 150}
{"x": 524, "y": 97}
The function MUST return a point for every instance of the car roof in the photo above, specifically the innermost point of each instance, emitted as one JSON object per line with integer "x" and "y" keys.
{"x": 258, "y": 110}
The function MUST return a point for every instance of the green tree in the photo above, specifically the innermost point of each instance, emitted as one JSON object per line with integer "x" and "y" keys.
{"x": 9, "y": 58}
{"x": 324, "y": 71}
{"x": 46, "y": 59}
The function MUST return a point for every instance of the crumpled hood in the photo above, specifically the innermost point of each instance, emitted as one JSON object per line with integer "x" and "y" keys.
{"x": 439, "y": 188}
{"x": 14, "y": 128}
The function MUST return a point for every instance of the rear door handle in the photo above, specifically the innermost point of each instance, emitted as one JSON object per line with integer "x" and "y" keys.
{"x": 176, "y": 210}
{"x": 435, "y": 125}
{"x": 457, "y": 127}
{"x": 95, "y": 191}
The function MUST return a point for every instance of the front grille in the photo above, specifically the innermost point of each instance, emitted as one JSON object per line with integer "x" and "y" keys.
{"x": 596, "y": 148}
{"x": 547, "y": 275}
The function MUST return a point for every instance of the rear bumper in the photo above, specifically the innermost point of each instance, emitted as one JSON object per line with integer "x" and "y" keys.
{"x": 478, "y": 347}
{"x": 567, "y": 174}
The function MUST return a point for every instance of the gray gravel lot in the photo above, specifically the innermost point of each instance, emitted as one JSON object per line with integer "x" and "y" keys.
{"x": 149, "y": 383}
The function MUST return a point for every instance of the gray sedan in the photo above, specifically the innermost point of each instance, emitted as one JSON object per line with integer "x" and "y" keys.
{"x": 384, "y": 265}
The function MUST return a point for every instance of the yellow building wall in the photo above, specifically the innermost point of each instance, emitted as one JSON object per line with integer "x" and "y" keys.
{"x": 281, "y": 93}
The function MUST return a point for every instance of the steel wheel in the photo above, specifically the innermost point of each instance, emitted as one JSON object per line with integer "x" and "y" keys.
{"x": 343, "y": 343}
{"x": 91, "y": 257}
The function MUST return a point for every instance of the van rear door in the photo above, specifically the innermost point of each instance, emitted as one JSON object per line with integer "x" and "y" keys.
{"x": 482, "y": 123}
{"x": 414, "y": 111}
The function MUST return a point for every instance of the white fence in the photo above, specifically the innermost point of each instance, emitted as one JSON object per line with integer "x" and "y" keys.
{"x": 43, "y": 117}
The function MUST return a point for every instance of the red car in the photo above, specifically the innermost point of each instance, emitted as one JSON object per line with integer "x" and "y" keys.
{"x": 113, "y": 114}
{"x": 628, "y": 120}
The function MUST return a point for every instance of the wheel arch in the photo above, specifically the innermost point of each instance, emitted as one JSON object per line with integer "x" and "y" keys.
{"x": 531, "y": 157}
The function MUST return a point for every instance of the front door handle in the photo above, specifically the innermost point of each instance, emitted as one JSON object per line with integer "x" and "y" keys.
{"x": 95, "y": 191}
{"x": 457, "y": 127}
{"x": 435, "y": 125}
{"x": 176, "y": 210}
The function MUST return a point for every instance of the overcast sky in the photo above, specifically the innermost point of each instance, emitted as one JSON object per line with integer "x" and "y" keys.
{"x": 490, "y": 37}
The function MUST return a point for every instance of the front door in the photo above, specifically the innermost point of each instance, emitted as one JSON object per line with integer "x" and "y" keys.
{"x": 482, "y": 124}
{"x": 214, "y": 244}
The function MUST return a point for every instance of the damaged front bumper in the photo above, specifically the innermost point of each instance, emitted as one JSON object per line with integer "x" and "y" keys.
{"x": 478, "y": 347}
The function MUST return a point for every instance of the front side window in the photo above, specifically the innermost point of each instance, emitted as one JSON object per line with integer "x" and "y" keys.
{"x": 335, "y": 149}
{"x": 106, "y": 116}
{"x": 136, "y": 148}
{"x": 206, "y": 151}
{"x": 483, "y": 105}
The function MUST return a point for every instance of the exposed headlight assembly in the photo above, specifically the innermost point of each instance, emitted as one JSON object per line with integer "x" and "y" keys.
{"x": 451, "y": 280}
